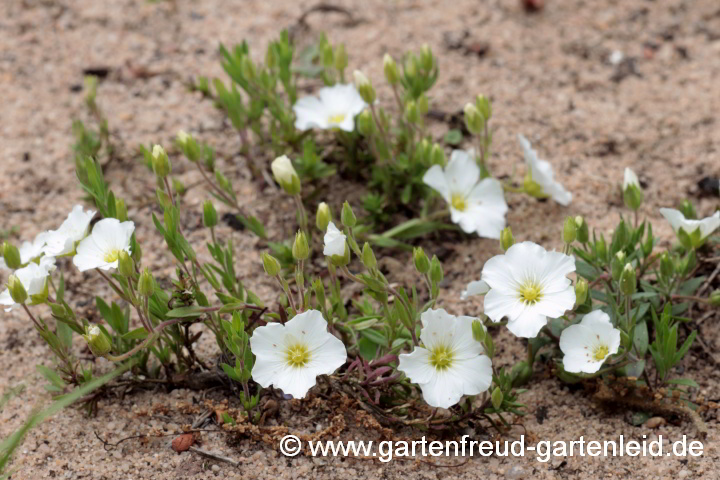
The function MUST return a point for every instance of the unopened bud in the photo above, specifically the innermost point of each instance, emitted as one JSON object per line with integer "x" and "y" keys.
{"x": 628, "y": 281}
{"x": 411, "y": 111}
{"x": 617, "y": 265}
{"x": 285, "y": 175}
{"x": 17, "y": 289}
{"x": 484, "y": 107}
{"x": 506, "y": 239}
{"x": 11, "y": 254}
{"x": 583, "y": 233}
{"x": 97, "y": 341}
{"x": 569, "y": 230}
{"x": 601, "y": 248}
{"x": 478, "y": 331}
{"x": 160, "y": 162}
{"x": 209, "y": 214}
{"x": 270, "y": 264}
{"x": 436, "y": 270}
{"x": 473, "y": 119}
{"x": 715, "y": 298}
{"x": 120, "y": 210}
{"x": 581, "y": 291}
{"x": 126, "y": 266}
{"x": 300, "y": 248}
{"x": 667, "y": 268}
{"x": 146, "y": 284}
{"x": 188, "y": 145}
{"x": 347, "y": 216}
{"x": 497, "y": 398}
{"x": 364, "y": 87}
{"x": 341, "y": 58}
{"x": 427, "y": 62}
{"x": 365, "y": 124}
{"x": 391, "y": 70}
{"x": 423, "y": 104}
{"x": 421, "y": 260}
{"x": 437, "y": 155}
{"x": 323, "y": 216}
{"x": 368, "y": 257}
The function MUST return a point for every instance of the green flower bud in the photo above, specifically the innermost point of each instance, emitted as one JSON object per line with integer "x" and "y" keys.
{"x": 146, "y": 283}
{"x": 617, "y": 264}
{"x": 411, "y": 112}
{"x": 126, "y": 266}
{"x": 391, "y": 70}
{"x": 473, "y": 119}
{"x": 163, "y": 198}
{"x": 478, "y": 331}
{"x": 11, "y": 254}
{"x": 137, "y": 254}
{"x": 188, "y": 145}
{"x": 633, "y": 197}
{"x": 300, "y": 248}
{"x": 328, "y": 58}
{"x": 270, "y": 264}
{"x": 601, "y": 248}
{"x": 347, "y": 216}
{"x": 423, "y": 104}
{"x": 323, "y": 216}
{"x": 160, "y": 162}
{"x": 341, "y": 58}
{"x": 365, "y": 123}
{"x": 427, "y": 62}
{"x": 649, "y": 243}
{"x": 628, "y": 281}
{"x": 520, "y": 374}
{"x": 583, "y": 234}
{"x": 368, "y": 257}
{"x": 437, "y": 155}
{"x": 506, "y": 239}
{"x": 581, "y": 291}
{"x": 120, "y": 209}
{"x": 364, "y": 87}
{"x": 411, "y": 66}
{"x": 569, "y": 230}
{"x": 97, "y": 341}
{"x": 482, "y": 103}
{"x": 621, "y": 234}
{"x": 209, "y": 214}
{"x": 436, "y": 270}
{"x": 667, "y": 268}
{"x": 489, "y": 346}
{"x": 285, "y": 175}
{"x": 319, "y": 289}
{"x": 17, "y": 290}
{"x": 421, "y": 260}
{"x": 688, "y": 210}
{"x": 715, "y": 298}
{"x": 497, "y": 398}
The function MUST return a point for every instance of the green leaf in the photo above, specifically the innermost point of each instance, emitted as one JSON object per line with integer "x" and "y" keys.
{"x": 684, "y": 381}
{"x": 367, "y": 349}
{"x": 453, "y": 137}
{"x": 641, "y": 339}
{"x": 183, "y": 312}
{"x": 51, "y": 376}
{"x": 137, "y": 334}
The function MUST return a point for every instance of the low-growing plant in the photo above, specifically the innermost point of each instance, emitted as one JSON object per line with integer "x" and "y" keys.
{"x": 619, "y": 321}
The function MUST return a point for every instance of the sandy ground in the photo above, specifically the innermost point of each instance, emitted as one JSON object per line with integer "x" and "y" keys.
{"x": 549, "y": 77}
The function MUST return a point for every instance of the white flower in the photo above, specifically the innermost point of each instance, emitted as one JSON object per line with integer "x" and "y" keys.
{"x": 477, "y": 287}
{"x": 32, "y": 278}
{"x": 476, "y": 207}
{"x": 291, "y": 356}
{"x": 334, "y": 107}
{"x": 451, "y": 363}
{"x": 283, "y": 170}
{"x": 542, "y": 174}
{"x": 102, "y": 248}
{"x": 630, "y": 179}
{"x": 29, "y": 250}
{"x": 528, "y": 284}
{"x": 334, "y": 241}
{"x": 677, "y": 220}
{"x": 587, "y": 344}
{"x": 75, "y": 227}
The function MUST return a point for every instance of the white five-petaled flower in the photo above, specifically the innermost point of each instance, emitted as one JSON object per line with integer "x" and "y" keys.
{"x": 102, "y": 248}
{"x": 291, "y": 356}
{"x": 587, "y": 344}
{"x": 630, "y": 179}
{"x": 32, "y": 277}
{"x": 677, "y": 220}
{"x": 29, "y": 250}
{"x": 476, "y": 287}
{"x": 542, "y": 174}
{"x": 528, "y": 284}
{"x": 451, "y": 363}
{"x": 334, "y": 241}
{"x": 476, "y": 206}
{"x": 333, "y": 107}
{"x": 75, "y": 227}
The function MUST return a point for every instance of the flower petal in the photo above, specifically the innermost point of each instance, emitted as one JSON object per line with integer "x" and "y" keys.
{"x": 435, "y": 179}
{"x": 416, "y": 365}
{"x": 476, "y": 287}
{"x": 462, "y": 172}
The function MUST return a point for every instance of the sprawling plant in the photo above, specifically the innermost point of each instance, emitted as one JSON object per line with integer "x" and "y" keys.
{"x": 607, "y": 312}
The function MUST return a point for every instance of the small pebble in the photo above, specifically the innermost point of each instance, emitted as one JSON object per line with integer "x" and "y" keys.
{"x": 515, "y": 472}
{"x": 655, "y": 422}
{"x": 215, "y": 468}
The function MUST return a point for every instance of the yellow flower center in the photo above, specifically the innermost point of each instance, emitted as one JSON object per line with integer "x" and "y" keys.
{"x": 441, "y": 358}
{"x": 298, "y": 356}
{"x": 336, "y": 119}
{"x": 600, "y": 352}
{"x": 458, "y": 202}
{"x": 112, "y": 255}
{"x": 530, "y": 293}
